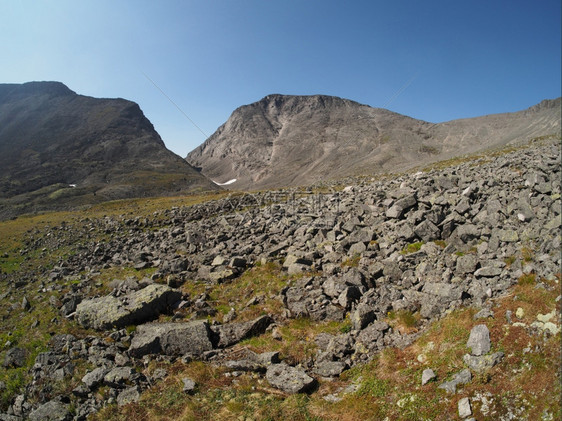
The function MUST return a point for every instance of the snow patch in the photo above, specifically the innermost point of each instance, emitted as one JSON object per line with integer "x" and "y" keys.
{"x": 227, "y": 183}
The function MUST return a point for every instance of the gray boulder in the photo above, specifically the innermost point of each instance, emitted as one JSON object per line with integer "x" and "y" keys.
{"x": 483, "y": 362}
{"x": 129, "y": 395}
{"x": 289, "y": 379}
{"x": 15, "y": 357}
{"x": 176, "y": 339}
{"x": 400, "y": 206}
{"x": 467, "y": 264}
{"x": 329, "y": 368}
{"x": 136, "y": 307}
{"x": 233, "y": 333}
{"x": 95, "y": 377}
{"x": 479, "y": 340}
{"x": 51, "y": 411}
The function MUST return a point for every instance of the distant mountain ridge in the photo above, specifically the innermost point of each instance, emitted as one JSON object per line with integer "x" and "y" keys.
{"x": 51, "y": 138}
{"x": 289, "y": 140}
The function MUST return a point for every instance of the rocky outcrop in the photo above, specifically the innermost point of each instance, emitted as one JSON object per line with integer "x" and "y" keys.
{"x": 137, "y": 307}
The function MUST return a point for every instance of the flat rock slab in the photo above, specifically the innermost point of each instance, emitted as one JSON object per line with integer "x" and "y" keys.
{"x": 137, "y": 307}
{"x": 289, "y": 379}
{"x": 174, "y": 339}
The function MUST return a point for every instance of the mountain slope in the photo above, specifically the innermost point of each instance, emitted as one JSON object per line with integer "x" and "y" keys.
{"x": 51, "y": 138}
{"x": 285, "y": 140}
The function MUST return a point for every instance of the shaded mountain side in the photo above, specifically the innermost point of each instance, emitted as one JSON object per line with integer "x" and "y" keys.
{"x": 285, "y": 140}
{"x": 52, "y": 138}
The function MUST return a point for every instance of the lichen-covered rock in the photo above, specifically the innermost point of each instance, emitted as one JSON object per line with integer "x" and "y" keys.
{"x": 482, "y": 362}
{"x": 137, "y": 307}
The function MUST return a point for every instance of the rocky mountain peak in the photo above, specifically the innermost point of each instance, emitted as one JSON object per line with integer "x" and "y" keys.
{"x": 51, "y": 138}
{"x": 290, "y": 140}
{"x": 11, "y": 91}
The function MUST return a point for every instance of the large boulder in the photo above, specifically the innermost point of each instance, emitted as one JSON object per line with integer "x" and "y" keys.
{"x": 177, "y": 339}
{"x": 137, "y": 307}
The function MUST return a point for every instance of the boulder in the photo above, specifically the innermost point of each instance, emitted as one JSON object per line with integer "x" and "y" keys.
{"x": 95, "y": 377}
{"x": 129, "y": 395}
{"x": 329, "y": 368}
{"x": 175, "y": 339}
{"x": 15, "y": 357}
{"x": 400, "y": 206}
{"x": 117, "y": 312}
{"x": 233, "y": 333}
{"x": 289, "y": 379}
{"x": 51, "y": 411}
{"x": 479, "y": 340}
{"x": 483, "y": 362}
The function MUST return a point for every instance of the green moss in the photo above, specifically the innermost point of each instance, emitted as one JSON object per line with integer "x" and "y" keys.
{"x": 413, "y": 247}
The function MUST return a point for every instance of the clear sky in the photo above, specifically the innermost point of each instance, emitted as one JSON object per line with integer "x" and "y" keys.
{"x": 432, "y": 60}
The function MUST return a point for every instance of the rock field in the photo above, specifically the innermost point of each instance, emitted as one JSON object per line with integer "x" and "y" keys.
{"x": 423, "y": 242}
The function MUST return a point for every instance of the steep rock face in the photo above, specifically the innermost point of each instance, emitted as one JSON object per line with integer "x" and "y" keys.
{"x": 51, "y": 138}
{"x": 285, "y": 140}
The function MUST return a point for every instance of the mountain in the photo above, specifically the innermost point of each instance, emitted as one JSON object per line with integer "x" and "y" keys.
{"x": 286, "y": 140}
{"x": 58, "y": 148}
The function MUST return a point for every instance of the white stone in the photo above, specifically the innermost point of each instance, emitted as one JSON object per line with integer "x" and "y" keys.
{"x": 465, "y": 410}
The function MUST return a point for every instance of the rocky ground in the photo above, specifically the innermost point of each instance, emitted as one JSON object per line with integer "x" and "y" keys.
{"x": 116, "y": 303}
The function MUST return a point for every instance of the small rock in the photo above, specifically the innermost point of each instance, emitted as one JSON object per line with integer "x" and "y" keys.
{"x": 462, "y": 377}
{"x": 520, "y": 313}
{"x": 465, "y": 410}
{"x": 25, "y": 304}
{"x": 188, "y": 385}
{"x": 484, "y": 314}
{"x": 488, "y": 272}
{"x": 427, "y": 376}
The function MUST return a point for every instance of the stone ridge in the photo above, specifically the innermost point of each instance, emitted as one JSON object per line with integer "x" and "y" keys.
{"x": 290, "y": 140}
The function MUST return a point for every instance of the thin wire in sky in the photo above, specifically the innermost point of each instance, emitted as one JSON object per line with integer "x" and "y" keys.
{"x": 175, "y": 105}
{"x": 399, "y": 91}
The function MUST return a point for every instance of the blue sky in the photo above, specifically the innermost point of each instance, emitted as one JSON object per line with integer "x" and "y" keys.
{"x": 432, "y": 60}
